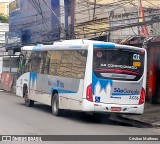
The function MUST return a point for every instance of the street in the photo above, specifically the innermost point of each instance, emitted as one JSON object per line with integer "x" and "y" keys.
{"x": 17, "y": 119}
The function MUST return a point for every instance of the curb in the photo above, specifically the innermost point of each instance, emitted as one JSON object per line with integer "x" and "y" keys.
{"x": 143, "y": 122}
{"x": 130, "y": 122}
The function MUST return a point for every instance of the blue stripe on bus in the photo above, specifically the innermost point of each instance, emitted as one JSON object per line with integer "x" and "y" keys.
{"x": 104, "y": 45}
{"x": 62, "y": 90}
{"x": 33, "y": 78}
{"x": 37, "y": 48}
{"x": 103, "y": 82}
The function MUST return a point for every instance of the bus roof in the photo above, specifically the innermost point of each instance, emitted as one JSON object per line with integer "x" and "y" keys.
{"x": 76, "y": 44}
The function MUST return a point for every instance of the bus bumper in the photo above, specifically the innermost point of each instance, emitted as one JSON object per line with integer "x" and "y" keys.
{"x": 113, "y": 108}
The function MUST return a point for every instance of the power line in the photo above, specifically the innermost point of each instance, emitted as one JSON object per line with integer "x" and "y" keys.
{"x": 113, "y": 6}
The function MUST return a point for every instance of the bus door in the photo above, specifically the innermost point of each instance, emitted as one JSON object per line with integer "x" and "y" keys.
{"x": 118, "y": 76}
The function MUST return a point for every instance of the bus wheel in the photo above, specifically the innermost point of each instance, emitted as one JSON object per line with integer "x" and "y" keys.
{"x": 55, "y": 105}
{"x": 27, "y": 101}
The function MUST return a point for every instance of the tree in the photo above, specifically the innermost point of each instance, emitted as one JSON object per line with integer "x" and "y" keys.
{"x": 3, "y": 19}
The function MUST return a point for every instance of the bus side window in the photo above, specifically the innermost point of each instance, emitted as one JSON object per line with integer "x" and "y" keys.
{"x": 27, "y": 64}
{"x": 54, "y": 61}
{"x": 79, "y": 64}
{"x": 43, "y": 66}
{"x": 35, "y": 62}
{"x": 64, "y": 66}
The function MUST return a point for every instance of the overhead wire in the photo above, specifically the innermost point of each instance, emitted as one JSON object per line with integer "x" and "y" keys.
{"x": 112, "y": 6}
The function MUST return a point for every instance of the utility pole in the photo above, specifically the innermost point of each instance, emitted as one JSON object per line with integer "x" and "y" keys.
{"x": 62, "y": 18}
{"x": 138, "y": 14}
{"x": 94, "y": 9}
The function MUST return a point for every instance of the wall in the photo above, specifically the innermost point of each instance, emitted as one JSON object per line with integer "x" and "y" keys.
{"x": 91, "y": 20}
{"x": 1, "y": 65}
{"x": 31, "y": 22}
{"x": 4, "y": 8}
{"x": 38, "y": 21}
{"x": 128, "y": 15}
{"x": 4, "y": 27}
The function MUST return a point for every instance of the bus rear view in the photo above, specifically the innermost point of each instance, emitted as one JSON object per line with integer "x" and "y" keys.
{"x": 119, "y": 79}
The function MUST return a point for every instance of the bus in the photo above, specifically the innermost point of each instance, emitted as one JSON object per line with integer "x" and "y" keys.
{"x": 84, "y": 75}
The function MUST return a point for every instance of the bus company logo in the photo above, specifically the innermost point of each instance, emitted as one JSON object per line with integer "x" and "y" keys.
{"x": 99, "y": 54}
{"x": 125, "y": 91}
{"x": 58, "y": 83}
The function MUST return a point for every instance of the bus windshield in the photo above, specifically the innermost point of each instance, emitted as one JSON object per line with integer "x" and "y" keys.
{"x": 120, "y": 64}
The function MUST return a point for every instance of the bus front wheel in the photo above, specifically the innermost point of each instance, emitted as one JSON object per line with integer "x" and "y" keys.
{"x": 27, "y": 101}
{"x": 55, "y": 105}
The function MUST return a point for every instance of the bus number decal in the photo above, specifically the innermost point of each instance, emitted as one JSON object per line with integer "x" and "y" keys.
{"x": 133, "y": 97}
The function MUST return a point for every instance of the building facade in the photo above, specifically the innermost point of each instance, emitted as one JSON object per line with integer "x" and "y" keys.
{"x": 4, "y": 8}
{"x": 125, "y": 19}
{"x": 43, "y": 21}
{"x": 128, "y": 16}
{"x": 91, "y": 18}
{"x": 94, "y": 18}
{"x": 4, "y": 27}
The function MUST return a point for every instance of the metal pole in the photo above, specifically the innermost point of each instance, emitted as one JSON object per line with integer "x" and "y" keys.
{"x": 10, "y": 64}
{"x": 138, "y": 14}
{"x": 94, "y": 10}
{"x": 62, "y": 18}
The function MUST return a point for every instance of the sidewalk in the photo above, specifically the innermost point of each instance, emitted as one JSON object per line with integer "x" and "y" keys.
{"x": 151, "y": 115}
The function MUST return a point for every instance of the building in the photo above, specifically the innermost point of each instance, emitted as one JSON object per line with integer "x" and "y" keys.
{"x": 46, "y": 21}
{"x": 114, "y": 18}
{"x": 33, "y": 22}
{"x": 4, "y": 27}
{"x": 4, "y": 7}
{"x": 128, "y": 16}
{"x": 91, "y": 18}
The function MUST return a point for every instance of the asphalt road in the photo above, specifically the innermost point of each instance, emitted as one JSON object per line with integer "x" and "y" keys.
{"x": 17, "y": 119}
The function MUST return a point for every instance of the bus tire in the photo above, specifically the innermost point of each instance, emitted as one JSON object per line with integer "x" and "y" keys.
{"x": 27, "y": 101}
{"x": 55, "y": 105}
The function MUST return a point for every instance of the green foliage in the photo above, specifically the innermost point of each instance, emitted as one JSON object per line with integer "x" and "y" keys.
{"x": 4, "y": 19}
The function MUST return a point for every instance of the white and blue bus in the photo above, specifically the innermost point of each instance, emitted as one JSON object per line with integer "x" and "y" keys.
{"x": 84, "y": 75}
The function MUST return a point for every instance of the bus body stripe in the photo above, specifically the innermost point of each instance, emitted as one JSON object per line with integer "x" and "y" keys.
{"x": 61, "y": 90}
{"x": 104, "y": 45}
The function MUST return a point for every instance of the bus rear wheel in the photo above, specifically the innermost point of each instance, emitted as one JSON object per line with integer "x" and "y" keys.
{"x": 27, "y": 101}
{"x": 55, "y": 105}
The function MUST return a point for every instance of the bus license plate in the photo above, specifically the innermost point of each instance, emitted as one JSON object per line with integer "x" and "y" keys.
{"x": 115, "y": 108}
